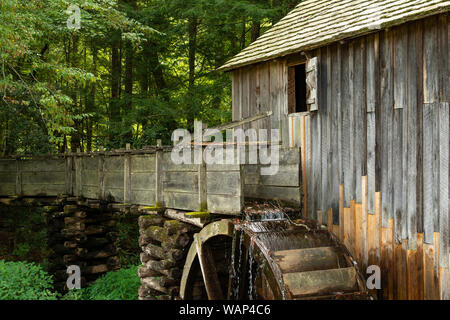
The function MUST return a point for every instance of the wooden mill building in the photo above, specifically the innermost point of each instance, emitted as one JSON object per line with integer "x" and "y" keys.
{"x": 362, "y": 87}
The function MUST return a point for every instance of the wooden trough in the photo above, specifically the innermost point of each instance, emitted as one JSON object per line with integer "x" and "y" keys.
{"x": 150, "y": 178}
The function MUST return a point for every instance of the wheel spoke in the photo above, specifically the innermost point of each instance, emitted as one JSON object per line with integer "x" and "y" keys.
{"x": 209, "y": 271}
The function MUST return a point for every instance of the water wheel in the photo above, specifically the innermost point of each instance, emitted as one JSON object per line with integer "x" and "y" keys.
{"x": 269, "y": 260}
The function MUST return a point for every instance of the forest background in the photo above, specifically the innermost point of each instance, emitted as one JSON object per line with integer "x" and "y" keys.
{"x": 133, "y": 73}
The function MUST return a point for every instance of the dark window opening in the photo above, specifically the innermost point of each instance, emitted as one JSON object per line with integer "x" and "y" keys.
{"x": 297, "y": 89}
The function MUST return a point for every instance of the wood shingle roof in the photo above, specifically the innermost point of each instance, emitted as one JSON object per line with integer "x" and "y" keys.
{"x": 315, "y": 23}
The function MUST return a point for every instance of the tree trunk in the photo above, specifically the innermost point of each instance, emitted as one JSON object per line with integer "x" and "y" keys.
{"x": 116, "y": 70}
{"x": 256, "y": 30}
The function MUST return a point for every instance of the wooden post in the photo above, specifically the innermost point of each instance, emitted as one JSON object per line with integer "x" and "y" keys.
{"x": 198, "y": 151}
{"x": 209, "y": 271}
{"x": 202, "y": 196}
{"x": 101, "y": 174}
{"x": 19, "y": 189}
{"x": 69, "y": 175}
{"x": 159, "y": 174}
{"x": 78, "y": 174}
{"x": 127, "y": 175}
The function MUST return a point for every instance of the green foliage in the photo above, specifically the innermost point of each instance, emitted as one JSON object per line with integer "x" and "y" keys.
{"x": 118, "y": 285}
{"x": 27, "y": 239}
{"x": 128, "y": 245}
{"x": 25, "y": 281}
{"x": 134, "y": 72}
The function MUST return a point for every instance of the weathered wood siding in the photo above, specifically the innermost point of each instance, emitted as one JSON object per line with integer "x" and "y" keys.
{"x": 378, "y": 147}
{"x": 375, "y": 155}
{"x": 261, "y": 88}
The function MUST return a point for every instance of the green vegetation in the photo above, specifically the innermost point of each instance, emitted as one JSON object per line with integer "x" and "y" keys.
{"x": 128, "y": 244}
{"x": 25, "y": 281}
{"x": 28, "y": 281}
{"x": 119, "y": 285}
{"x": 25, "y": 235}
{"x": 134, "y": 72}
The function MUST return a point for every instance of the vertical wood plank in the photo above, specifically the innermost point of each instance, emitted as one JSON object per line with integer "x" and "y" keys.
{"x": 436, "y": 279}
{"x": 316, "y": 163}
{"x": 335, "y": 172}
{"x": 371, "y": 163}
{"x": 341, "y": 213}
{"x": 275, "y": 90}
{"x": 352, "y": 227}
{"x": 127, "y": 175}
{"x": 364, "y": 222}
{"x": 236, "y": 102}
{"x": 19, "y": 188}
{"x": 412, "y": 275}
{"x": 358, "y": 239}
{"x": 430, "y": 61}
{"x": 428, "y": 223}
{"x": 345, "y": 131}
{"x": 359, "y": 116}
{"x": 398, "y": 174}
{"x": 310, "y": 195}
{"x": 404, "y": 269}
{"x": 264, "y": 74}
{"x": 420, "y": 266}
{"x": 304, "y": 171}
{"x": 371, "y": 88}
{"x": 159, "y": 200}
{"x": 400, "y": 276}
{"x": 444, "y": 159}
{"x": 253, "y": 107}
{"x": 387, "y": 254}
{"x": 371, "y": 72}
{"x": 412, "y": 139}
{"x": 351, "y": 116}
{"x": 436, "y": 167}
{"x": 284, "y": 126}
{"x": 245, "y": 95}
{"x": 419, "y": 152}
{"x": 346, "y": 233}
{"x": 325, "y": 79}
{"x": 444, "y": 57}
{"x": 68, "y": 176}
{"x": 330, "y": 220}
{"x": 101, "y": 174}
{"x": 373, "y": 240}
{"x": 78, "y": 174}
{"x": 387, "y": 106}
{"x": 428, "y": 270}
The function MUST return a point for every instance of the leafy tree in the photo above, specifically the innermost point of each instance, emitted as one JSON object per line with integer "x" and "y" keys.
{"x": 134, "y": 72}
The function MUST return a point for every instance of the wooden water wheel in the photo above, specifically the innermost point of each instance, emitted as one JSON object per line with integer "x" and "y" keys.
{"x": 269, "y": 260}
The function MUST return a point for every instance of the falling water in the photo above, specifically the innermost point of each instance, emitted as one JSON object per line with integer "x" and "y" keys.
{"x": 239, "y": 241}
{"x": 250, "y": 270}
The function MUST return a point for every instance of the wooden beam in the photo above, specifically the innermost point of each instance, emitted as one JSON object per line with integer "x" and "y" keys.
{"x": 209, "y": 271}
{"x": 235, "y": 124}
